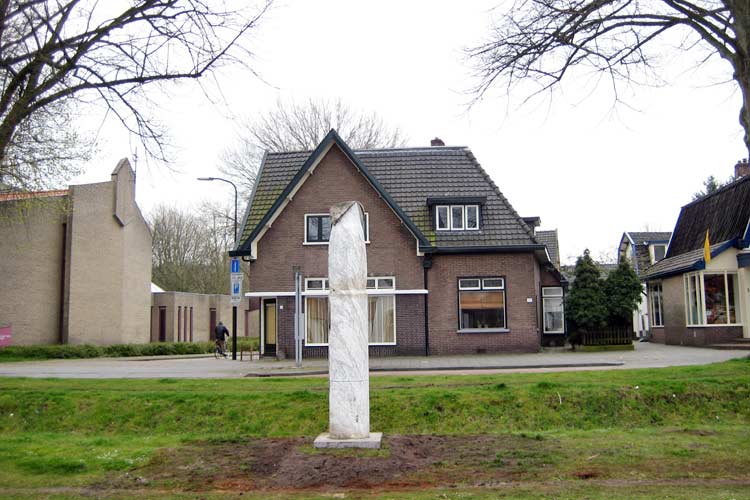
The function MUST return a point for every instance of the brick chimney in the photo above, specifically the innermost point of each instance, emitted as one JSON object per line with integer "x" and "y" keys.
{"x": 439, "y": 142}
{"x": 742, "y": 169}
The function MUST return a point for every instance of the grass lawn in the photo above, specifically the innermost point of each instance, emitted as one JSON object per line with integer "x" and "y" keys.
{"x": 671, "y": 432}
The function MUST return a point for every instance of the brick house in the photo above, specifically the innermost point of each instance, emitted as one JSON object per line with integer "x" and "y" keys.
{"x": 694, "y": 302}
{"x": 642, "y": 249}
{"x": 453, "y": 269}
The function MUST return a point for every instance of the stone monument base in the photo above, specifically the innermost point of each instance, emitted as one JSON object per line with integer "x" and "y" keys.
{"x": 326, "y": 441}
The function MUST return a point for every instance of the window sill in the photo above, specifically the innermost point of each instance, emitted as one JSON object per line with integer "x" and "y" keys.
{"x": 368, "y": 344}
{"x": 554, "y": 333}
{"x": 483, "y": 330}
{"x": 714, "y": 325}
{"x": 657, "y": 326}
{"x": 321, "y": 243}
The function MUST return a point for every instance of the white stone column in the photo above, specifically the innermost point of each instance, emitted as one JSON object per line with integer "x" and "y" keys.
{"x": 349, "y": 393}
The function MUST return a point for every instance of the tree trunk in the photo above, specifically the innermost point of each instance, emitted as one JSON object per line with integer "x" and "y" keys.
{"x": 742, "y": 76}
{"x": 740, "y": 10}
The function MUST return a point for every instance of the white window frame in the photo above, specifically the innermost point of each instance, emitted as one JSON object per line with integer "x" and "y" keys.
{"x": 462, "y": 286}
{"x": 550, "y": 292}
{"x": 466, "y": 218}
{"x": 652, "y": 305}
{"x": 378, "y": 291}
{"x": 481, "y": 287}
{"x": 463, "y": 217}
{"x": 312, "y": 243}
{"x": 702, "y": 296}
{"x": 652, "y": 251}
{"x": 447, "y": 218}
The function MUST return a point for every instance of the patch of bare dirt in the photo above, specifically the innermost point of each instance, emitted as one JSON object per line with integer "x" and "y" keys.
{"x": 292, "y": 463}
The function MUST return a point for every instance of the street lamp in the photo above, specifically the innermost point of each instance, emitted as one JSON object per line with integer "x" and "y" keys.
{"x": 234, "y": 308}
{"x": 235, "y": 200}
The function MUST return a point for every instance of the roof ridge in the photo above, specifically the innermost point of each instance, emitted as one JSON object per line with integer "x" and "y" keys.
{"x": 722, "y": 189}
{"x": 492, "y": 184}
{"x": 420, "y": 149}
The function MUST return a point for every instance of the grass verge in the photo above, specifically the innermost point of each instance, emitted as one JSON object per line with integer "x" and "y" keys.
{"x": 626, "y": 433}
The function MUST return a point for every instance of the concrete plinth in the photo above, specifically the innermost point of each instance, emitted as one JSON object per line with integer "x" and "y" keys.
{"x": 326, "y": 441}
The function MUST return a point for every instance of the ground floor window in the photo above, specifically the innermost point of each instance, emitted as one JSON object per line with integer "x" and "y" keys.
{"x": 381, "y": 309}
{"x": 481, "y": 303}
{"x": 655, "y": 304}
{"x": 553, "y": 309}
{"x": 710, "y": 298}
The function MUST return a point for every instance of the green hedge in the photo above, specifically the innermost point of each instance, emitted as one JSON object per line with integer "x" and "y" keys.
{"x": 118, "y": 350}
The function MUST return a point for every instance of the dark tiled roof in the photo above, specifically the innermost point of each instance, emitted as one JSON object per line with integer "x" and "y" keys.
{"x": 410, "y": 176}
{"x": 641, "y": 240}
{"x": 549, "y": 239}
{"x": 685, "y": 262}
{"x": 649, "y": 237}
{"x": 724, "y": 213}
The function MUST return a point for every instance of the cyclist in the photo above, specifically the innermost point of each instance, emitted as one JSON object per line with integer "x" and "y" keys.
{"x": 221, "y": 334}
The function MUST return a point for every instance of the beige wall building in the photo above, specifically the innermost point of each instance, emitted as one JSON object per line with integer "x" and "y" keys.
{"x": 192, "y": 317}
{"x": 76, "y": 264}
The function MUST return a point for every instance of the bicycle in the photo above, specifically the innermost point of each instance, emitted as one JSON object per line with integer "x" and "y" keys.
{"x": 218, "y": 351}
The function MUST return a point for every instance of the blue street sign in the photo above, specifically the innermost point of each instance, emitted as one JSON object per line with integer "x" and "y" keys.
{"x": 236, "y": 288}
{"x": 235, "y": 265}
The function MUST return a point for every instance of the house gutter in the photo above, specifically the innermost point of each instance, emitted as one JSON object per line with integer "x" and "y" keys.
{"x": 426, "y": 265}
{"x": 483, "y": 249}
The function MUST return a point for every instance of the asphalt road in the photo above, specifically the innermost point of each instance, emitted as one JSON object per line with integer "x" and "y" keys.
{"x": 646, "y": 355}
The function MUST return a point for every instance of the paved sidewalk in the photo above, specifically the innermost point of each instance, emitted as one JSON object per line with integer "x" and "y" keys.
{"x": 646, "y": 355}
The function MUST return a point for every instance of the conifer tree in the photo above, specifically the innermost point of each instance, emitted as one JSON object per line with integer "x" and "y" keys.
{"x": 586, "y": 306}
{"x": 623, "y": 294}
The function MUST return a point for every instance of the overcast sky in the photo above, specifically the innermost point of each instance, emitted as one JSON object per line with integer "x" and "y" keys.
{"x": 586, "y": 169}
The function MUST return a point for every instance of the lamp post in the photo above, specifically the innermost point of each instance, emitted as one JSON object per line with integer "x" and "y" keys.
{"x": 234, "y": 308}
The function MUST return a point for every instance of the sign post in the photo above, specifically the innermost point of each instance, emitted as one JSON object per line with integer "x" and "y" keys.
{"x": 235, "y": 279}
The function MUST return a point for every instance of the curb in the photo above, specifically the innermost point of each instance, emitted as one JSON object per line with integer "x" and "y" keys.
{"x": 439, "y": 368}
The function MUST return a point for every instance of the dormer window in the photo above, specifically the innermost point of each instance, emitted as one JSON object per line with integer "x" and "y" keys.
{"x": 457, "y": 217}
{"x": 658, "y": 252}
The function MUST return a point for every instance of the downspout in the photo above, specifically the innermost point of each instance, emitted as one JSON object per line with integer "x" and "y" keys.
{"x": 426, "y": 265}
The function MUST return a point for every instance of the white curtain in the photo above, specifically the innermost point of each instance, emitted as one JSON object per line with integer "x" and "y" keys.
{"x": 318, "y": 320}
{"x": 382, "y": 319}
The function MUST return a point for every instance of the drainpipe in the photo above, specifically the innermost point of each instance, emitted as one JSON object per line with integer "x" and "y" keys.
{"x": 426, "y": 265}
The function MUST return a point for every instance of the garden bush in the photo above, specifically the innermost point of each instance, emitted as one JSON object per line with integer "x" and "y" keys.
{"x": 119, "y": 350}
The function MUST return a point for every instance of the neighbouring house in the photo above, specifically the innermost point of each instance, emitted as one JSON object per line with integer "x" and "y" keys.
{"x": 695, "y": 302}
{"x": 76, "y": 264}
{"x": 453, "y": 269}
{"x": 192, "y": 317}
{"x": 642, "y": 249}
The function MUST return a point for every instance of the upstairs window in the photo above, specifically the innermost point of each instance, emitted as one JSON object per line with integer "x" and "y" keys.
{"x": 457, "y": 217}
{"x": 318, "y": 229}
{"x": 658, "y": 252}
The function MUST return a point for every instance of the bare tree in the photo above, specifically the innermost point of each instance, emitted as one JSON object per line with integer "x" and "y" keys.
{"x": 53, "y": 51}
{"x": 189, "y": 249}
{"x": 294, "y": 126}
{"x": 543, "y": 40}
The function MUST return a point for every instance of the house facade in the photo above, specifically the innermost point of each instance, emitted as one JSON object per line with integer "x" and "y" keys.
{"x": 699, "y": 300}
{"x": 76, "y": 264}
{"x": 642, "y": 249}
{"x": 452, "y": 268}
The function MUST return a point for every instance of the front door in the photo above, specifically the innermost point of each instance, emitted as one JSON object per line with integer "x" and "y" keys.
{"x": 269, "y": 327}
